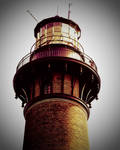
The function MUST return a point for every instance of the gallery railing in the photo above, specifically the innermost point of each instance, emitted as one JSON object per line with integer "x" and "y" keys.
{"x": 32, "y": 56}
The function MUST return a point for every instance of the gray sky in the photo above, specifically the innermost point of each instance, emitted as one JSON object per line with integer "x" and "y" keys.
{"x": 100, "y": 24}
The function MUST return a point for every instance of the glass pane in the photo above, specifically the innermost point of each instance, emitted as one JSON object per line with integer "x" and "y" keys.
{"x": 38, "y": 35}
{"x": 43, "y": 40}
{"x": 43, "y": 30}
{"x": 72, "y": 32}
{"x": 65, "y": 28}
{"x": 49, "y": 32}
{"x": 49, "y": 29}
{"x": 40, "y": 32}
{"x": 57, "y": 26}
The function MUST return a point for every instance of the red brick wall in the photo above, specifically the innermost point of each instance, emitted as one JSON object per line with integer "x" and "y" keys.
{"x": 56, "y": 124}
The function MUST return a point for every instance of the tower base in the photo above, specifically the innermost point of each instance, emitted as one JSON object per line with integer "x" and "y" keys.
{"x": 56, "y": 124}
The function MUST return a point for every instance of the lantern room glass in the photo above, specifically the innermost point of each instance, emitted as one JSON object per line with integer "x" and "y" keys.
{"x": 58, "y": 33}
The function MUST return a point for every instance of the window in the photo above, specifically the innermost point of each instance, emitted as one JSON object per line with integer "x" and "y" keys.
{"x": 65, "y": 29}
{"x": 57, "y": 26}
{"x": 44, "y": 34}
{"x": 67, "y": 84}
{"x": 46, "y": 84}
{"x": 38, "y": 40}
{"x": 49, "y": 31}
{"x": 76, "y": 87}
{"x": 47, "y": 88}
{"x": 57, "y": 82}
{"x": 72, "y": 31}
{"x": 37, "y": 88}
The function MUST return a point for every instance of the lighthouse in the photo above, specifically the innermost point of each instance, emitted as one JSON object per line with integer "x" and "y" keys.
{"x": 56, "y": 82}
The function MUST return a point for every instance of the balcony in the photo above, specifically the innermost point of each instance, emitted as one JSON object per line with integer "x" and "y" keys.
{"x": 56, "y": 50}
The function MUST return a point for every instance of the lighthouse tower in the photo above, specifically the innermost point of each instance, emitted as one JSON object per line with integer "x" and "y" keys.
{"x": 56, "y": 83}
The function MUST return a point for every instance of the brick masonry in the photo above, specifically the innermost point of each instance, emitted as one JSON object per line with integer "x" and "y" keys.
{"x": 56, "y": 124}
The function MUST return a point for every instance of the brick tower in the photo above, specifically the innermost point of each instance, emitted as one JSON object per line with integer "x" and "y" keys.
{"x": 56, "y": 82}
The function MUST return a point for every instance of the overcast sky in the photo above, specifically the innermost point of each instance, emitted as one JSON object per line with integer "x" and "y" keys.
{"x": 100, "y": 29}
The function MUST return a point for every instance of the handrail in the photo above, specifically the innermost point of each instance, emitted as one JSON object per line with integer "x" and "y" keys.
{"x": 78, "y": 46}
{"x": 27, "y": 58}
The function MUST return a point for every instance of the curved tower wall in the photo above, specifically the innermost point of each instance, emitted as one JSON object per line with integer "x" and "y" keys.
{"x": 56, "y": 124}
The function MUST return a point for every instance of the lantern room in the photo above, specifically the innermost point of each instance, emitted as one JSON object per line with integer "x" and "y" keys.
{"x": 57, "y": 30}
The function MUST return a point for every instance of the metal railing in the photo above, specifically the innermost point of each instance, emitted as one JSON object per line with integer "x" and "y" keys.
{"x": 67, "y": 53}
{"x": 24, "y": 61}
{"x": 57, "y": 39}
